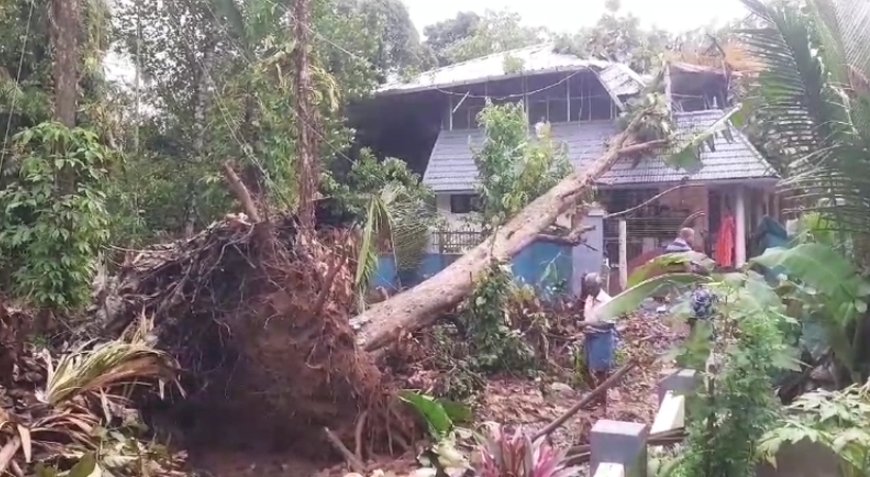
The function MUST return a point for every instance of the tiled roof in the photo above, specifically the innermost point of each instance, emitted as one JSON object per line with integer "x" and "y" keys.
{"x": 537, "y": 59}
{"x": 736, "y": 160}
{"x": 451, "y": 166}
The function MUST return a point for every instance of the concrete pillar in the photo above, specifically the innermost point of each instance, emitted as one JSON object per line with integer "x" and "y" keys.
{"x": 740, "y": 232}
{"x": 682, "y": 382}
{"x": 619, "y": 443}
{"x": 623, "y": 253}
{"x": 588, "y": 259}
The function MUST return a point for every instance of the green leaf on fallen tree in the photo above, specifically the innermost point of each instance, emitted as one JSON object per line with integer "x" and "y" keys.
{"x": 670, "y": 262}
{"x": 433, "y": 411}
{"x": 630, "y": 299}
{"x": 687, "y": 152}
{"x": 458, "y": 412}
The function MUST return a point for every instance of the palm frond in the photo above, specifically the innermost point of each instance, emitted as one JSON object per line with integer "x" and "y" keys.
{"x": 367, "y": 263}
{"x": 394, "y": 220}
{"x": 809, "y": 118}
{"x": 107, "y": 364}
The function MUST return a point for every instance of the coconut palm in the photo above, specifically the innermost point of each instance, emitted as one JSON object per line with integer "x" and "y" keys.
{"x": 813, "y": 101}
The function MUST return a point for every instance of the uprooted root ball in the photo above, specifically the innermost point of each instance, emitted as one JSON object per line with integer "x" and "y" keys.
{"x": 258, "y": 317}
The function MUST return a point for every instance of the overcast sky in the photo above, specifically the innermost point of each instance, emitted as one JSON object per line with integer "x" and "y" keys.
{"x": 569, "y": 15}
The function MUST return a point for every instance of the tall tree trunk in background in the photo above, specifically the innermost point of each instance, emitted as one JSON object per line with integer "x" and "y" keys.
{"x": 200, "y": 106}
{"x": 308, "y": 170}
{"x": 423, "y": 304}
{"x": 64, "y": 39}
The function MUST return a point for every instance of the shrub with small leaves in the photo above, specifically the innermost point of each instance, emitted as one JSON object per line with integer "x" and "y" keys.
{"x": 838, "y": 420}
{"x": 54, "y": 221}
{"x": 498, "y": 346}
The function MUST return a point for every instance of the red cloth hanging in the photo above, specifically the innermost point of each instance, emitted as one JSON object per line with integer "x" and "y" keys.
{"x": 725, "y": 242}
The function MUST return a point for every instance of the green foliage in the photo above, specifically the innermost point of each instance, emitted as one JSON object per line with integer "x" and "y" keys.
{"x": 827, "y": 291}
{"x": 398, "y": 48}
{"x": 813, "y": 102}
{"x": 512, "y": 65}
{"x": 471, "y": 36}
{"x": 739, "y": 403}
{"x": 838, "y": 420}
{"x": 219, "y": 86}
{"x": 460, "y": 379}
{"x": 395, "y": 208}
{"x": 441, "y": 416}
{"x": 51, "y": 238}
{"x": 496, "y": 344}
{"x": 618, "y": 38}
{"x": 514, "y": 168}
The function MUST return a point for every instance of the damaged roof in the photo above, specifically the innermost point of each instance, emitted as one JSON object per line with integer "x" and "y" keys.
{"x": 451, "y": 165}
{"x": 619, "y": 79}
{"x": 730, "y": 160}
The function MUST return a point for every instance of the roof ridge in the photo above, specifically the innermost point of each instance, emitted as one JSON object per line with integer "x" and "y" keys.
{"x": 479, "y": 58}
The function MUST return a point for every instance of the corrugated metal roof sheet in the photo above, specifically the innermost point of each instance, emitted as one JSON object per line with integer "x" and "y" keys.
{"x": 538, "y": 59}
{"x": 621, "y": 80}
{"x": 451, "y": 166}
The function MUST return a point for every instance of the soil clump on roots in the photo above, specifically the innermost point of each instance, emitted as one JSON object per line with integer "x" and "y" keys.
{"x": 257, "y": 316}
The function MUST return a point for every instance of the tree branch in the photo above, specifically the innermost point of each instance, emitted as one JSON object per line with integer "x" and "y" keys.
{"x": 241, "y": 192}
{"x": 642, "y": 147}
{"x": 573, "y": 238}
{"x": 646, "y": 202}
{"x": 589, "y": 397}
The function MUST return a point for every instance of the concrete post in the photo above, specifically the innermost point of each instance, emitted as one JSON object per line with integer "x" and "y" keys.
{"x": 740, "y": 222}
{"x": 681, "y": 382}
{"x": 620, "y": 443}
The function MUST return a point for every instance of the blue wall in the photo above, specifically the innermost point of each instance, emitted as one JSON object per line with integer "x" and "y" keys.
{"x": 542, "y": 265}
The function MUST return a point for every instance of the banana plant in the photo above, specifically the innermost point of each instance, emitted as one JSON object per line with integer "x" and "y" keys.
{"x": 819, "y": 285}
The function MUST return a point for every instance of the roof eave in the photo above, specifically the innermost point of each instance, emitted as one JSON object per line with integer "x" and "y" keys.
{"x": 560, "y": 69}
{"x": 762, "y": 181}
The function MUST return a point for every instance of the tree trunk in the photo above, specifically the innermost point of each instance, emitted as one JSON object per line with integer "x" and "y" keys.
{"x": 201, "y": 102}
{"x": 64, "y": 35}
{"x": 308, "y": 172}
{"x": 64, "y": 39}
{"x": 423, "y": 304}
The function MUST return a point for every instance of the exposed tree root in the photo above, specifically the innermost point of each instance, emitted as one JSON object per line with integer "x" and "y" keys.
{"x": 258, "y": 316}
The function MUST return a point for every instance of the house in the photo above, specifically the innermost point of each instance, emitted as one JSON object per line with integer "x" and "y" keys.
{"x": 429, "y": 121}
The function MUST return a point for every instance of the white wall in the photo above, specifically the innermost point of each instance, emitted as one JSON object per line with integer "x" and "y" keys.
{"x": 454, "y": 221}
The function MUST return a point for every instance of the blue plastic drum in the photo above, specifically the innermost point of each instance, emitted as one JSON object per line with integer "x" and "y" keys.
{"x": 600, "y": 347}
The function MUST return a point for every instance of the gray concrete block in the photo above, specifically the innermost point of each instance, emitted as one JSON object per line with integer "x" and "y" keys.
{"x": 619, "y": 442}
{"x": 681, "y": 382}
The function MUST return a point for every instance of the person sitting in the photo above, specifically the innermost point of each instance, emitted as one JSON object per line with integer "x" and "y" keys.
{"x": 683, "y": 243}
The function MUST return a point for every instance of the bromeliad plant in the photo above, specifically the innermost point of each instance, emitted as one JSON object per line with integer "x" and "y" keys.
{"x": 504, "y": 452}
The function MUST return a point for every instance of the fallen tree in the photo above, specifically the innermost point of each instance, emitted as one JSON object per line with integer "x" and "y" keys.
{"x": 650, "y": 128}
{"x": 423, "y": 304}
